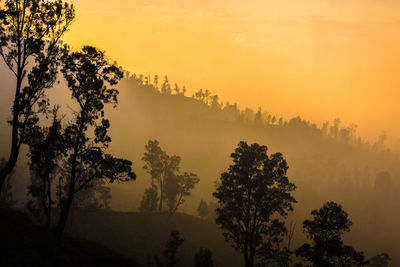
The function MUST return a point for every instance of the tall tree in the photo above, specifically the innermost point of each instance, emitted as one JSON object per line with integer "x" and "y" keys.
{"x": 325, "y": 230}
{"x": 149, "y": 202}
{"x": 45, "y": 149}
{"x": 153, "y": 158}
{"x": 176, "y": 188}
{"x": 161, "y": 167}
{"x": 167, "y": 185}
{"x": 90, "y": 79}
{"x": 30, "y": 33}
{"x": 252, "y": 194}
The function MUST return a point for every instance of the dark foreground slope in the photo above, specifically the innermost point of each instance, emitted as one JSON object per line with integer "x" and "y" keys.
{"x": 140, "y": 235}
{"x": 24, "y": 244}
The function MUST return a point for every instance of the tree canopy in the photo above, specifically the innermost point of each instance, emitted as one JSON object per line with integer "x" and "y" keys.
{"x": 30, "y": 45}
{"x": 253, "y": 193}
{"x": 325, "y": 230}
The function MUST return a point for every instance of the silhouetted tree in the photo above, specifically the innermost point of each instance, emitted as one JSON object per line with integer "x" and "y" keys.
{"x": 30, "y": 32}
{"x": 325, "y": 230}
{"x": 171, "y": 250}
{"x": 380, "y": 260}
{"x": 215, "y": 102}
{"x": 252, "y": 193}
{"x": 273, "y": 120}
{"x": 203, "y": 258}
{"x": 155, "y": 81}
{"x": 153, "y": 158}
{"x": 90, "y": 78}
{"x": 160, "y": 166}
{"x": 202, "y": 209}
{"x": 166, "y": 87}
{"x": 258, "y": 120}
{"x": 177, "y": 89}
{"x": 176, "y": 188}
{"x": 334, "y": 129}
{"x": 149, "y": 201}
{"x": 269, "y": 119}
{"x": 207, "y": 94}
{"x": 166, "y": 183}
{"x": 46, "y": 147}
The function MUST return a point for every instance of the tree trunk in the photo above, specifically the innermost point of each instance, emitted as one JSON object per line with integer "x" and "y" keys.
{"x": 12, "y": 160}
{"x": 246, "y": 256}
{"x": 48, "y": 215}
{"x": 161, "y": 196}
{"x": 251, "y": 257}
{"x": 59, "y": 231}
{"x": 65, "y": 209}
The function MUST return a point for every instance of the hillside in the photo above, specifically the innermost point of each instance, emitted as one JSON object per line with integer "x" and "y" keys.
{"x": 25, "y": 244}
{"x": 327, "y": 162}
{"x": 140, "y": 235}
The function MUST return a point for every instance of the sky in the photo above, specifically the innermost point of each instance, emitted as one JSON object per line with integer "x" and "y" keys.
{"x": 320, "y": 59}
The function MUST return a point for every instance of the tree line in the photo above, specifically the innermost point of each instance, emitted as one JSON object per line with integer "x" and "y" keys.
{"x": 230, "y": 111}
{"x": 68, "y": 159}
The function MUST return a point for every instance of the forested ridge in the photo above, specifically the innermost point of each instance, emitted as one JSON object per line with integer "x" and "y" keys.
{"x": 169, "y": 178}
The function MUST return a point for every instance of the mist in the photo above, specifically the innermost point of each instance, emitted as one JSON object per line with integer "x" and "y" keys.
{"x": 315, "y": 128}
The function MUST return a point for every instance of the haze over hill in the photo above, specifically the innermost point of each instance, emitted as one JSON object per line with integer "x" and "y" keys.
{"x": 249, "y": 134}
{"x": 317, "y": 59}
{"x": 326, "y": 163}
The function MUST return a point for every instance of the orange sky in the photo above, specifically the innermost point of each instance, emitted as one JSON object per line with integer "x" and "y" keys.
{"x": 320, "y": 59}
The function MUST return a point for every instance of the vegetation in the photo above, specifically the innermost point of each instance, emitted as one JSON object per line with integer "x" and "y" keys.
{"x": 252, "y": 193}
{"x": 90, "y": 78}
{"x": 45, "y": 151}
{"x": 326, "y": 230}
{"x": 119, "y": 231}
{"x": 167, "y": 185}
{"x": 30, "y": 39}
{"x": 71, "y": 166}
{"x": 170, "y": 252}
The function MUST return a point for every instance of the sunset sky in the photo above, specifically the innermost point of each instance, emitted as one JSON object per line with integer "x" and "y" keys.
{"x": 320, "y": 59}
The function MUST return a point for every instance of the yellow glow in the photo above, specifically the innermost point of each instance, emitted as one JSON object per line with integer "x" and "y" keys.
{"x": 320, "y": 59}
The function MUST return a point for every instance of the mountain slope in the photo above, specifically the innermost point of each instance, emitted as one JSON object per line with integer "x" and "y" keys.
{"x": 140, "y": 235}
{"x": 25, "y": 244}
